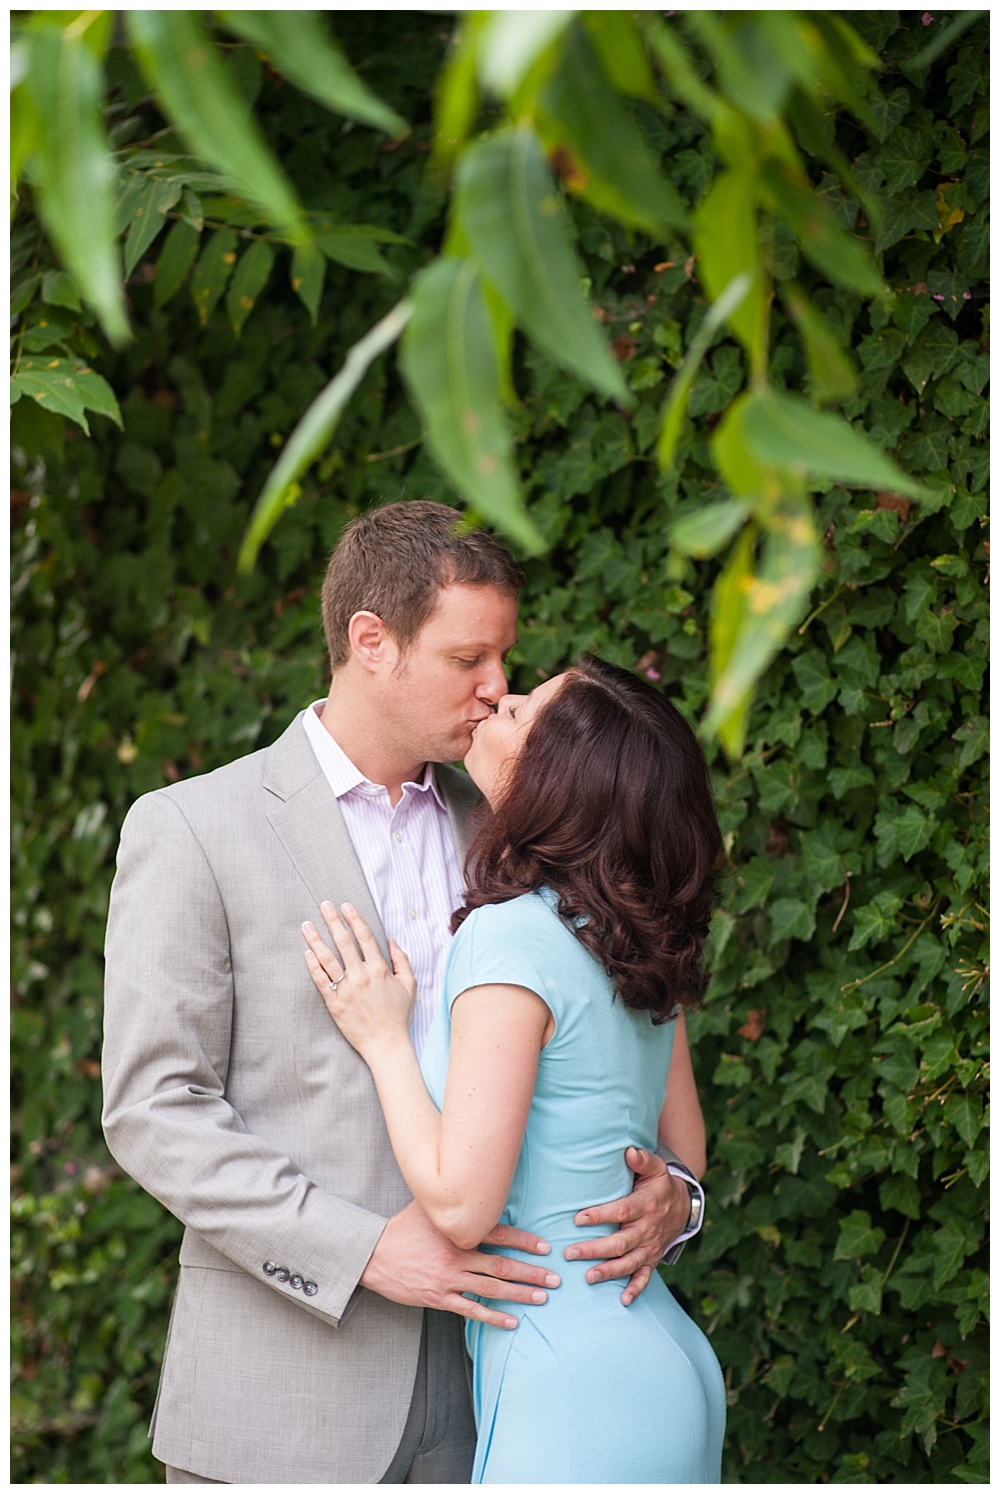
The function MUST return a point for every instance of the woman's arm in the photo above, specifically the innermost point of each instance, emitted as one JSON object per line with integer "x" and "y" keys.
{"x": 457, "y": 1163}
{"x": 682, "y": 1126}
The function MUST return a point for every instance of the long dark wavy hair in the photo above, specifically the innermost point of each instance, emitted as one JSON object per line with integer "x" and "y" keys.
{"x": 609, "y": 805}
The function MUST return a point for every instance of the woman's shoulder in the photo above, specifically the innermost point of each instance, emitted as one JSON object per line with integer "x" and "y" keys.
{"x": 528, "y": 911}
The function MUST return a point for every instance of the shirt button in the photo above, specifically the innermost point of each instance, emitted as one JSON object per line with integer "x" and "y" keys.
{"x": 413, "y": 912}
{"x": 269, "y": 1268}
{"x": 282, "y": 1273}
{"x": 396, "y": 835}
{"x": 310, "y": 1289}
{"x": 295, "y": 1281}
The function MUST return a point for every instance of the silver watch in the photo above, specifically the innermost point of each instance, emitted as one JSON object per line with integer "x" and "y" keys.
{"x": 696, "y": 1206}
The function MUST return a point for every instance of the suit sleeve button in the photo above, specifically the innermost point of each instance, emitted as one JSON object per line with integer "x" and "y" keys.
{"x": 310, "y": 1289}
{"x": 282, "y": 1273}
{"x": 295, "y": 1282}
{"x": 269, "y": 1268}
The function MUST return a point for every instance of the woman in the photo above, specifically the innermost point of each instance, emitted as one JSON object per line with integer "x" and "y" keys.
{"x": 579, "y": 945}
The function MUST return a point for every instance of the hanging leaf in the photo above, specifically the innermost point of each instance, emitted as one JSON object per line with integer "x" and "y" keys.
{"x": 785, "y": 432}
{"x": 307, "y": 273}
{"x": 613, "y": 168}
{"x": 175, "y": 259}
{"x": 516, "y": 222}
{"x": 456, "y": 93}
{"x": 450, "y": 365}
{"x": 354, "y": 250}
{"x": 66, "y": 386}
{"x": 300, "y": 47}
{"x": 253, "y": 270}
{"x": 725, "y": 237}
{"x": 756, "y": 612}
{"x": 675, "y": 408}
{"x": 728, "y": 609}
{"x": 706, "y": 532}
{"x": 842, "y": 258}
{"x": 149, "y": 217}
{"x": 25, "y": 129}
{"x": 201, "y": 98}
{"x": 740, "y": 471}
{"x": 831, "y": 375}
{"x": 512, "y": 41}
{"x": 618, "y": 44}
{"x": 212, "y": 272}
{"x": 74, "y": 171}
{"x": 314, "y": 430}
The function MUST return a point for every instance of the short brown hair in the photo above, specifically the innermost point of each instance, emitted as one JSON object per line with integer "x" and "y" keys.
{"x": 394, "y": 560}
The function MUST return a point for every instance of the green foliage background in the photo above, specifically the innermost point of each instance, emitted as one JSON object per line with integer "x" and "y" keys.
{"x": 841, "y": 1050}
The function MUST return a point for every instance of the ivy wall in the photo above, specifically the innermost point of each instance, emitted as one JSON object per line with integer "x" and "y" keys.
{"x": 841, "y": 1049}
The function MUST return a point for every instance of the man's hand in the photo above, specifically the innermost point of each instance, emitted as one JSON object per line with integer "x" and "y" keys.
{"x": 416, "y": 1264}
{"x": 649, "y": 1219}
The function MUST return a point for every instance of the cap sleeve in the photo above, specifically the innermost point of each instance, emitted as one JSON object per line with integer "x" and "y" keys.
{"x": 503, "y": 944}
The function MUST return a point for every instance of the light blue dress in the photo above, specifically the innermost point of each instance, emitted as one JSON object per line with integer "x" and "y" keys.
{"x": 584, "y": 1390}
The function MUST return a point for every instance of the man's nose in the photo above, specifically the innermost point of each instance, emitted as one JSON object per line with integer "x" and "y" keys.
{"x": 493, "y": 688}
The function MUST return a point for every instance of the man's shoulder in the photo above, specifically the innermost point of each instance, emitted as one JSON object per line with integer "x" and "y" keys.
{"x": 235, "y": 786}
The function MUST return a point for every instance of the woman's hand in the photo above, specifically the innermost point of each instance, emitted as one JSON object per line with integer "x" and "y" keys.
{"x": 370, "y": 1003}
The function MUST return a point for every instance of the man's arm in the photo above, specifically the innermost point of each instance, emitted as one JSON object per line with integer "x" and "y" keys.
{"x": 168, "y": 1022}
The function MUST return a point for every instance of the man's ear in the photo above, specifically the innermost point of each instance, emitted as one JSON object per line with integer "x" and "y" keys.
{"x": 368, "y": 638}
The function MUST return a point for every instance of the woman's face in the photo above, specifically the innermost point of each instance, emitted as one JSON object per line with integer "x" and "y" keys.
{"x": 498, "y": 739}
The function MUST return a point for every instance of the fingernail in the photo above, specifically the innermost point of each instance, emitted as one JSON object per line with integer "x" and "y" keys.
{"x": 511, "y": 1322}
{"x": 324, "y": 905}
{"x": 539, "y": 1297}
{"x": 552, "y": 1279}
{"x": 347, "y": 907}
{"x": 627, "y": 1301}
{"x": 543, "y": 1247}
{"x": 572, "y": 1254}
{"x": 592, "y": 1276}
{"x": 583, "y": 1219}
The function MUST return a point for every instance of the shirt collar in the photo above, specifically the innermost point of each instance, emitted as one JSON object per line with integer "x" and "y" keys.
{"x": 341, "y": 774}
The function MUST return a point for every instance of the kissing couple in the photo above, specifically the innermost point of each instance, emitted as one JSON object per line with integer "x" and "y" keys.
{"x": 505, "y": 1086}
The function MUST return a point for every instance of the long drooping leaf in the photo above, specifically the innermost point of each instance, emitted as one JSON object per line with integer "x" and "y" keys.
{"x": 706, "y": 532}
{"x": 725, "y": 236}
{"x": 513, "y": 41}
{"x": 783, "y": 431}
{"x": 842, "y": 258}
{"x": 613, "y": 168}
{"x": 308, "y": 271}
{"x": 355, "y": 250}
{"x": 175, "y": 259}
{"x": 201, "y": 98}
{"x": 74, "y": 171}
{"x": 68, "y": 387}
{"x": 314, "y": 430}
{"x": 300, "y": 47}
{"x": 516, "y": 221}
{"x": 754, "y": 613}
{"x": 450, "y": 364}
{"x": 456, "y": 93}
{"x": 149, "y": 217}
{"x": 720, "y": 311}
{"x": 249, "y": 278}
{"x": 212, "y": 272}
{"x": 623, "y": 56}
{"x": 830, "y": 373}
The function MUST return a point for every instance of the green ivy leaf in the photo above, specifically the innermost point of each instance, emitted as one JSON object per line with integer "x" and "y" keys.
{"x": 858, "y": 1236}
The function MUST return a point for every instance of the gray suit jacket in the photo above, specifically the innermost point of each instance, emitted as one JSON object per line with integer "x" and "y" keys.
{"x": 231, "y": 1096}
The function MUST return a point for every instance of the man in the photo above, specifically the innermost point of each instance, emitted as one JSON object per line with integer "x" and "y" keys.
{"x": 316, "y": 1332}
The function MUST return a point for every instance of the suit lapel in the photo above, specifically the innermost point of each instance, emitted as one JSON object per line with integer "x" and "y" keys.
{"x": 461, "y": 797}
{"x": 306, "y": 818}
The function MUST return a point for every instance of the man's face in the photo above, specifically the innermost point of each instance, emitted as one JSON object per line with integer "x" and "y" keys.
{"x": 452, "y": 675}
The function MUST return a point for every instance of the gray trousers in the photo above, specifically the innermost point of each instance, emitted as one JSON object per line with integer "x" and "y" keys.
{"x": 439, "y": 1440}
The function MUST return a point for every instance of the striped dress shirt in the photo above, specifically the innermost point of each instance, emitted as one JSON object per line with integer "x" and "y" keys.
{"x": 408, "y": 856}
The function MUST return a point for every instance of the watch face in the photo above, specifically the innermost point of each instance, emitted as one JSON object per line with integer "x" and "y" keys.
{"x": 695, "y": 1210}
